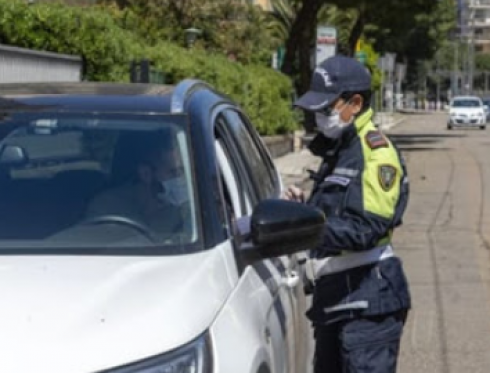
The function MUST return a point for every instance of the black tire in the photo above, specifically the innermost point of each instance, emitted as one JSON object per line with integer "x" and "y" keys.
{"x": 449, "y": 127}
{"x": 483, "y": 127}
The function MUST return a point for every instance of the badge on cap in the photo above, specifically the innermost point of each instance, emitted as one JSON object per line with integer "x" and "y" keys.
{"x": 325, "y": 76}
{"x": 386, "y": 176}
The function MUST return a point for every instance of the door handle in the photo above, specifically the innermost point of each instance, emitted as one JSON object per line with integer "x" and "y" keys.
{"x": 291, "y": 279}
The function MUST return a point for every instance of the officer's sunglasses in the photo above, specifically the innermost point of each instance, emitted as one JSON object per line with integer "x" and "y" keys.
{"x": 346, "y": 97}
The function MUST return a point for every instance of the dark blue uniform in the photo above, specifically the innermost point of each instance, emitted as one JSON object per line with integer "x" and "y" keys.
{"x": 361, "y": 295}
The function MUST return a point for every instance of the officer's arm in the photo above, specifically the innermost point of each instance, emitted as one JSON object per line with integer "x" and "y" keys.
{"x": 369, "y": 209}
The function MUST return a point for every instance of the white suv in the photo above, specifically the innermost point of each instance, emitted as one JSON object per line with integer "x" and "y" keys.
{"x": 467, "y": 111}
{"x": 141, "y": 231}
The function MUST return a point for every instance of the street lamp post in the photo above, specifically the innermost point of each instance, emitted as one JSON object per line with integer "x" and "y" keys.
{"x": 455, "y": 73}
{"x": 400, "y": 72}
{"x": 438, "y": 87}
{"x": 471, "y": 44}
{"x": 485, "y": 74}
{"x": 382, "y": 67}
{"x": 191, "y": 35}
{"x": 456, "y": 68}
{"x": 468, "y": 33}
{"x": 390, "y": 68}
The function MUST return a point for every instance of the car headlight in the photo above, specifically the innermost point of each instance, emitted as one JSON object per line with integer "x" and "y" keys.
{"x": 192, "y": 358}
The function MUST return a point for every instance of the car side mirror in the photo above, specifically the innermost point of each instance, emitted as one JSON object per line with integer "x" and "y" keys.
{"x": 13, "y": 155}
{"x": 279, "y": 227}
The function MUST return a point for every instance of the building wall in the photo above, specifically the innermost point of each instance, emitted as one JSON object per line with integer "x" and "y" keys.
{"x": 474, "y": 19}
{"x": 19, "y": 65}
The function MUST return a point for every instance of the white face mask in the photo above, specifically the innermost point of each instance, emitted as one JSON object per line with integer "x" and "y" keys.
{"x": 331, "y": 125}
{"x": 175, "y": 190}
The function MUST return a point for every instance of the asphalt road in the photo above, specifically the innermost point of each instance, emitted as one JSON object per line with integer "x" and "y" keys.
{"x": 445, "y": 246}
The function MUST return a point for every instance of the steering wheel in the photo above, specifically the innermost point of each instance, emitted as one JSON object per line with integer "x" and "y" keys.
{"x": 122, "y": 220}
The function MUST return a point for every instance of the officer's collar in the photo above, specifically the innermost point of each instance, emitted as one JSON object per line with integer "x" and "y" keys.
{"x": 353, "y": 129}
{"x": 363, "y": 119}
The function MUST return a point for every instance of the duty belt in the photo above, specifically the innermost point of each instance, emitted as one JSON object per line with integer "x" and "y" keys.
{"x": 350, "y": 260}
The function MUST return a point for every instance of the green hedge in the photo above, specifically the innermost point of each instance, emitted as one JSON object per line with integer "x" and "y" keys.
{"x": 107, "y": 50}
{"x": 263, "y": 93}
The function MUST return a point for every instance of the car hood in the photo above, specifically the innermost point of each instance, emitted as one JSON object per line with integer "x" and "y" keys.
{"x": 462, "y": 110}
{"x": 87, "y": 313}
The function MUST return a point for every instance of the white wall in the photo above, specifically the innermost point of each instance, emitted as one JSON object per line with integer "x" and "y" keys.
{"x": 18, "y": 65}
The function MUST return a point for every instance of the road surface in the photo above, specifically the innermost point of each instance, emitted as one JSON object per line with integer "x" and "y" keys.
{"x": 445, "y": 246}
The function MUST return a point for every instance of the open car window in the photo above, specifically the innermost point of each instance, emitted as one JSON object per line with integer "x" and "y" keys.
{"x": 78, "y": 180}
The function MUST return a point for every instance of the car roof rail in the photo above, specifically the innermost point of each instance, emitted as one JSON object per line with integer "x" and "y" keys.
{"x": 183, "y": 90}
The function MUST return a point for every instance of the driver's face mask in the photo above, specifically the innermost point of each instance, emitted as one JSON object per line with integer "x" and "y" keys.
{"x": 329, "y": 122}
{"x": 174, "y": 190}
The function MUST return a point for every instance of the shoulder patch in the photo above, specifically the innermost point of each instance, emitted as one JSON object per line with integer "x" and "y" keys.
{"x": 376, "y": 139}
{"x": 386, "y": 176}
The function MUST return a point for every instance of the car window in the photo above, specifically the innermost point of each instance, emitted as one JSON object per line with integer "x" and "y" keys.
{"x": 235, "y": 197}
{"x": 463, "y": 103}
{"x": 257, "y": 161}
{"x": 69, "y": 179}
{"x": 236, "y": 180}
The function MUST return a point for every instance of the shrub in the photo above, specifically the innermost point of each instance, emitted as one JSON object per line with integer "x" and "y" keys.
{"x": 263, "y": 93}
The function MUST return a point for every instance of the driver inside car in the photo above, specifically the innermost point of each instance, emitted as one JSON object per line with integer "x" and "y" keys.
{"x": 155, "y": 193}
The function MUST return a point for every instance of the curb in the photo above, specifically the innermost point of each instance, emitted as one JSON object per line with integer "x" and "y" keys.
{"x": 420, "y": 112}
{"x": 391, "y": 125}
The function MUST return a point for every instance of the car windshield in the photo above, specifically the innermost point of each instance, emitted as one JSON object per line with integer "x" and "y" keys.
{"x": 466, "y": 103}
{"x": 106, "y": 181}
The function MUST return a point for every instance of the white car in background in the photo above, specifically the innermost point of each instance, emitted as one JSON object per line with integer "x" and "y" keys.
{"x": 467, "y": 111}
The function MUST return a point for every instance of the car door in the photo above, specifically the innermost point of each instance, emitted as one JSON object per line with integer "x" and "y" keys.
{"x": 259, "y": 179}
{"x": 295, "y": 264}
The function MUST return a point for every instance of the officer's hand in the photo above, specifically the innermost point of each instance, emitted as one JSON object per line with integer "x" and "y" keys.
{"x": 294, "y": 194}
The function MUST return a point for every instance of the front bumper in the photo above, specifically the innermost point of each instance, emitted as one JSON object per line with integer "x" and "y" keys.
{"x": 467, "y": 122}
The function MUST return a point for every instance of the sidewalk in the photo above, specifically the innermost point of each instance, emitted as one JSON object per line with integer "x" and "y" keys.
{"x": 422, "y": 111}
{"x": 385, "y": 121}
{"x": 293, "y": 166}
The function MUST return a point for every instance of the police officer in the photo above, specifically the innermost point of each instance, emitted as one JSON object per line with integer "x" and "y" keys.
{"x": 361, "y": 296}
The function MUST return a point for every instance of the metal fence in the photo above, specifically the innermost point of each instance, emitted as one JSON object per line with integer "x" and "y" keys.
{"x": 19, "y": 65}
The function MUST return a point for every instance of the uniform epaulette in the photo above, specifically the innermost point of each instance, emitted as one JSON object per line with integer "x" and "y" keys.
{"x": 375, "y": 140}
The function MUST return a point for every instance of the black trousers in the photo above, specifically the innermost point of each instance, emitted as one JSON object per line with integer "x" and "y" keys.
{"x": 367, "y": 345}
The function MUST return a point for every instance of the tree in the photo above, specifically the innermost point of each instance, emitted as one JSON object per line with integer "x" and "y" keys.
{"x": 391, "y": 19}
{"x": 281, "y": 18}
{"x": 233, "y": 28}
{"x": 430, "y": 41}
{"x": 396, "y": 16}
{"x": 482, "y": 62}
{"x": 298, "y": 45}
{"x": 419, "y": 35}
{"x": 301, "y": 35}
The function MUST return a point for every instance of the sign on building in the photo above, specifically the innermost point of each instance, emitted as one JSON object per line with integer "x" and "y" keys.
{"x": 326, "y": 43}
